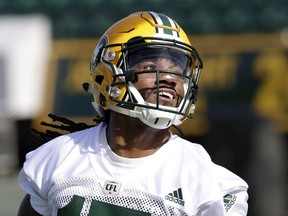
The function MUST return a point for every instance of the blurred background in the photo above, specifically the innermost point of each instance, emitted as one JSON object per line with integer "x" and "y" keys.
{"x": 242, "y": 109}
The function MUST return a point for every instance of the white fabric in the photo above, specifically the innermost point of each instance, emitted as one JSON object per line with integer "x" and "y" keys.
{"x": 80, "y": 163}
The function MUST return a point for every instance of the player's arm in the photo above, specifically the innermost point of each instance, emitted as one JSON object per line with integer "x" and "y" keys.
{"x": 26, "y": 209}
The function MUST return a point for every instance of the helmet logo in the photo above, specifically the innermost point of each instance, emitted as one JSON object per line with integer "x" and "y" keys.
{"x": 97, "y": 52}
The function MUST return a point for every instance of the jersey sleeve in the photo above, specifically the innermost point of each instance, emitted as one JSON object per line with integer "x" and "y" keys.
{"x": 233, "y": 200}
{"x": 34, "y": 178}
{"x": 235, "y": 203}
{"x": 30, "y": 182}
{"x": 234, "y": 192}
{"x": 234, "y": 197}
{"x": 38, "y": 200}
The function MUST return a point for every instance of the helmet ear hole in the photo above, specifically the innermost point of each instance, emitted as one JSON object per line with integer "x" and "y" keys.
{"x": 99, "y": 79}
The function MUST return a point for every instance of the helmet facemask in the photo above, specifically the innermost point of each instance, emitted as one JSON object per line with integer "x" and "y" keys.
{"x": 128, "y": 100}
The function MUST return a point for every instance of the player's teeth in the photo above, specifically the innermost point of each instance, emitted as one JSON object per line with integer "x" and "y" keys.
{"x": 166, "y": 94}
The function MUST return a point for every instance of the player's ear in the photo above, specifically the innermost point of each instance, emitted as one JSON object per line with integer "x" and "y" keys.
{"x": 25, "y": 208}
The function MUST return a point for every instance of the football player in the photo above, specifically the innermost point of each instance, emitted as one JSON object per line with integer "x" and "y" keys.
{"x": 144, "y": 79}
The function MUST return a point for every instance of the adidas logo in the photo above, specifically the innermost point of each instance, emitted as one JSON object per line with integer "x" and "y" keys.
{"x": 176, "y": 196}
{"x": 229, "y": 201}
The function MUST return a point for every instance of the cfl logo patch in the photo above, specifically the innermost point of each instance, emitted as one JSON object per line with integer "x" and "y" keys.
{"x": 111, "y": 188}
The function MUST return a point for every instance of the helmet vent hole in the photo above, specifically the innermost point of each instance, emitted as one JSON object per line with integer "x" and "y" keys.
{"x": 99, "y": 79}
{"x": 128, "y": 30}
{"x": 168, "y": 123}
{"x": 156, "y": 120}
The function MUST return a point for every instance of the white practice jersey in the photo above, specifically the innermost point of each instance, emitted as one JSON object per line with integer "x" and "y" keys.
{"x": 78, "y": 174}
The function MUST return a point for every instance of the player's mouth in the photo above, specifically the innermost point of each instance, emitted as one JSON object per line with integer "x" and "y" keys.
{"x": 167, "y": 96}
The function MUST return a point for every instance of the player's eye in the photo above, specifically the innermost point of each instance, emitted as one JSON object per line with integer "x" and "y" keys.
{"x": 150, "y": 67}
{"x": 145, "y": 66}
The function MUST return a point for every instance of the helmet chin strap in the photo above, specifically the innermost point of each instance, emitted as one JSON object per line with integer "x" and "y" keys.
{"x": 147, "y": 116}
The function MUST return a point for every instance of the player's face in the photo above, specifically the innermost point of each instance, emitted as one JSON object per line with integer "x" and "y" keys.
{"x": 171, "y": 89}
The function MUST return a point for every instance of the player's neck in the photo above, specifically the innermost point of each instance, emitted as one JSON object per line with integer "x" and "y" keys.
{"x": 129, "y": 137}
